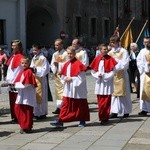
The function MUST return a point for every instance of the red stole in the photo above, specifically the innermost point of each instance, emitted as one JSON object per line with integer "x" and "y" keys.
{"x": 16, "y": 60}
{"x": 76, "y": 67}
{"x": 28, "y": 77}
{"x": 109, "y": 63}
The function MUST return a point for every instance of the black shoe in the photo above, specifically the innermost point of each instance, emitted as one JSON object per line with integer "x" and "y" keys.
{"x": 14, "y": 121}
{"x": 143, "y": 113}
{"x": 57, "y": 111}
{"x": 40, "y": 117}
{"x": 37, "y": 117}
{"x": 56, "y": 123}
{"x": 43, "y": 117}
{"x": 125, "y": 115}
{"x": 28, "y": 131}
{"x": 104, "y": 122}
{"x": 113, "y": 115}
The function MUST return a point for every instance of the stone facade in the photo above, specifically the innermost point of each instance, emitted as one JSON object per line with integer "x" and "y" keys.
{"x": 90, "y": 20}
{"x": 43, "y": 22}
{"x": 135, "y": 8}
{"x": 93, "y": 21}
{"x": 12, "y": 22}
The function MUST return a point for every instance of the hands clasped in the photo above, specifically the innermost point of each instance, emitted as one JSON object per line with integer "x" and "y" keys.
{"x": 68, "y": 79}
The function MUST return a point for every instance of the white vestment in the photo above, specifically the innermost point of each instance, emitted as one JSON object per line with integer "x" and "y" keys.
{"x": 62, "y": 54}
{"x": 104, "y": 85}
{"x": 42, "y": 71}
{"x": 26, "y": 94}
{"x": 143, "y": 67}
{"x": 122, "y": 104}
{"x": 12, "y": 73}
{"x": 82, "y": 56}
{"x": 77, "y": 88}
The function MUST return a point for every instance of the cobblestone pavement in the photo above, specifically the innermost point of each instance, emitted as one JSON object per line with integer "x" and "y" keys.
{"x": 121, "y": 133}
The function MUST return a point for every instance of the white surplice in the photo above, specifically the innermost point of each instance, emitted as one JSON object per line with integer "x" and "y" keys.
{"x": 143, "y": 67}
{"x": 12, "y": 73}
{"x": 26, "y": 94}
{"x": 42, "y": 71}
{"x": 62, "y": 54}
{"x": 82, "y": 56}
{"x": 77, "y": 88}
{"x": 104, "y": 85}
{"x": 122, "y": 104}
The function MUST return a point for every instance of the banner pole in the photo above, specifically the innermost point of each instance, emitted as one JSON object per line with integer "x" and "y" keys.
{"x": 127, "y": 27}
{"x": 141, "y": 30}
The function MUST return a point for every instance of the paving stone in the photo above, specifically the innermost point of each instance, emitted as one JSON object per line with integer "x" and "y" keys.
{"x": 136, "y": 147}
{"x": 119, "y": 134}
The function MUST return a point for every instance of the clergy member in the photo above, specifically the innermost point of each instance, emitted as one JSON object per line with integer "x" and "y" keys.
{"x": 41, "y": 68}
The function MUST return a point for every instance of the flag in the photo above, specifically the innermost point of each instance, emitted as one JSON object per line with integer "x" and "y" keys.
{"x": 145, "y": 33}
{"x": 127, "y": 38}
{"x": 116, "y": 32}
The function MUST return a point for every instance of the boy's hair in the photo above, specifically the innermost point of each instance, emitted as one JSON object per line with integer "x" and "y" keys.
{"x": 114, "y": 38}
{"x": 37, "y": 45}
{"x": 100, "y": 46}
{"x": 78, "y": 40}
{"x": 71, "y": 48}
{"x": 59, "y": 40}
{"x": 26, "y": 58}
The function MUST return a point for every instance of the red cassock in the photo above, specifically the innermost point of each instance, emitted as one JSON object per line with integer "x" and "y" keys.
{"x": 24, "y": 112}
{"x": 24, "y": 115}
{"x": 74, "y": 109}
{"x": 104, "y": 101}
{"x": 15, "y": 61}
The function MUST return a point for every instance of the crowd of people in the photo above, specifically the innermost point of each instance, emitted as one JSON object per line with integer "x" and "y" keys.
{"x": 118, "y": 72}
